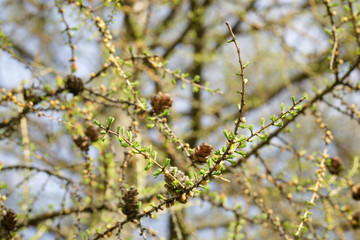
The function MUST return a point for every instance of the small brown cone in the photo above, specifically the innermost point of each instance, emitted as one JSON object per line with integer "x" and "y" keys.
{"x": 7, "y": 223}
{"x": 130, "y": 207}
{"x": 174, "y": 189}
{"x": 335, "y": 166}
{"x": 74, "y": 84}
{"x": 355, "y": 222}
{"x": 179, "y": 175}
{"x": 201, "y": 153}
{"x": 355, "y": 191}
{"x": 92, "y": 132}
{"x": 83, "y": 142}
{"x": 160, "y": 102}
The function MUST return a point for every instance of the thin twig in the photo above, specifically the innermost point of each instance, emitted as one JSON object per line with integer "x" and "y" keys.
{"x": 242, "y": 102}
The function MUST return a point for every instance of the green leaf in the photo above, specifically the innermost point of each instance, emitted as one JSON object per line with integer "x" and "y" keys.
{"x": 150, "y": 125}
{"x": 189, "y": 183}
{"x": 129, "y": 135}
{"x": 263, "y": 137}
{"x": 149, "y": 165}
{"x": 251, "y": 128}
{"x": 242, "y": 153}
{"x": 347, "y": 8}
{"x": 231, "y": 136}
{"x": 96, "y": 122}
{"x": 124, "y": 144}
{"x": 225, "y": 132}
{"x": 166, "y": 112}
{"x": 175, "y": 183}
{"x": 233, "y": 162}
{"x": 135, "y": 144}
{"x": 279, "y": 123}
{"x": 282, "y": 105}
{"x": 47, "y": 87}
{"x": 167, "y": 162}
{"x": 241, "y": 138}
{"x": 157, "y": 173}
{"x": 208, "y": 162}
{"x": 185, "y": 75}
{"x": 294, "y": 113}
{"x": 161, "y": 197}
{"x": 310, "y": 204}
{"x": 154, "y": 154}
{"x": 299, "y": 107}
{"x": 196, "y": 79}
{"x": 111, "y": 121}
{"x": 182, "y": 85}
{"x": 175, "y": 170}
{"x": 328, "y": 31}
{"x": 242, "y": 145}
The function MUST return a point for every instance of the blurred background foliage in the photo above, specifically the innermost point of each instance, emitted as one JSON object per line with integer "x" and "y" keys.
{"x": 61, "y": 189}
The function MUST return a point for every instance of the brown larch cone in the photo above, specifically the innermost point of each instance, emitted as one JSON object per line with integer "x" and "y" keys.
{"x": 201, "y": 153}
{"x": 355, "y": 191}
{"x": 179, "y": 175}
{"x": 92, "y": 132}
{"x": 175, "y": 189}
{"x": 355, "y": 222}
{"x": 83, "y": 142}
{"x": 74, "y": 84}
{"x": 9, "y": 220}
{"x": 160, "y": 102}
{"x": 130, "y": 207}
{"x": 335, "y": 165}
